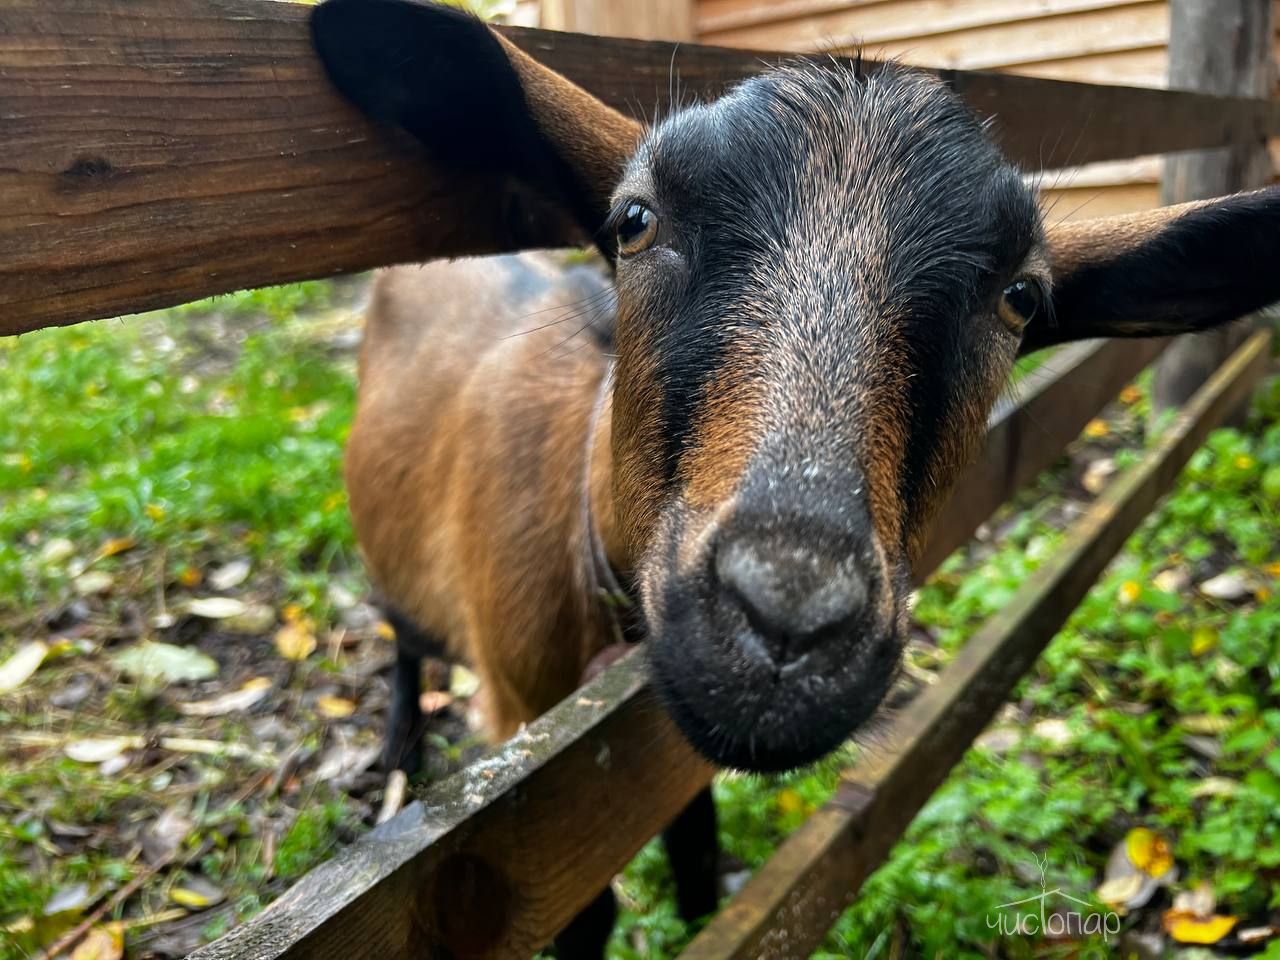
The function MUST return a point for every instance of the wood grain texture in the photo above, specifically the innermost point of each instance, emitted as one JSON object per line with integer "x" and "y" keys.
{"x": 787, "y": 907}
{"x": 493, "y": 861}
{"x": 651, "y": 20}
{"x": 714, "y": 16}
{"x": 934, "y": 33}
{"x": 159, "y": 151}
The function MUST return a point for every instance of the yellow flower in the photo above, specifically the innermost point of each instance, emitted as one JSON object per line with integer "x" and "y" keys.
{"x": 1130, "y": 591}
{"x": 155, "y": 511}
{"x": 1096, "y": 429}
{"x": 1130, "y": 395}
{"x": 1244, "y": 462}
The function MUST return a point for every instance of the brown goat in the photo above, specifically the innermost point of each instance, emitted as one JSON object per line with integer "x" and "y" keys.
{"x": 822, "y": 282}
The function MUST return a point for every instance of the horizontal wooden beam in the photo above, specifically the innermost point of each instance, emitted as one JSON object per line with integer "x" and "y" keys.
{"x": 786, "y": 909}
{"x": 159, "y": 151}
{"x": 495, "y": 860}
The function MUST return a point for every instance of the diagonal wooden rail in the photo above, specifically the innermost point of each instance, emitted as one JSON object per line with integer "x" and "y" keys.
{"x": 157, "y": 151}
{"x": 605, "y": 768}
{"x": 787, "y": 907}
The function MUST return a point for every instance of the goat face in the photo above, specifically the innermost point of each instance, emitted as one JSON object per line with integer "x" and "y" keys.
{"x": 823, "y": 280}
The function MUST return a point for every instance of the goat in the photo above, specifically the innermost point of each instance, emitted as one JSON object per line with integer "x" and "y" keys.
{"x": 823, "y": 280}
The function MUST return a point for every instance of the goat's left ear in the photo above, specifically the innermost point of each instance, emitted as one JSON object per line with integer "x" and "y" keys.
{"x": 489, "y": 115}
{"x": 1174, "y": 270}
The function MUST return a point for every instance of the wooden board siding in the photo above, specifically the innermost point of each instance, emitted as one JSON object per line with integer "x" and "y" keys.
{"x": 1122, "y": 42}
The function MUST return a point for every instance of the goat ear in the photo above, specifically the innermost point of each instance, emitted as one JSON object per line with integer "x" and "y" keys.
{"x": 1174, "y": 270}
{"x": 479, "y": 104}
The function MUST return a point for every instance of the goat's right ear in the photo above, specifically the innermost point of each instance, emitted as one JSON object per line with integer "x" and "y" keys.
{"x": 479, "y": 104}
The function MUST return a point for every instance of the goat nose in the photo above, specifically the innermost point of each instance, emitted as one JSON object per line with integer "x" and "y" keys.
{"x": 790, "y": 594}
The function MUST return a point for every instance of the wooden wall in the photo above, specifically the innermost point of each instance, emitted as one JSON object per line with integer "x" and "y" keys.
{"x": 1095, "y": 41}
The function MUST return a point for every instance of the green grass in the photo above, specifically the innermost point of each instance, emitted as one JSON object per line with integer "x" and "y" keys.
{"x": 153, "y": 449}
{"x": 228, "y": 432}
{"x": 215, "y": 431}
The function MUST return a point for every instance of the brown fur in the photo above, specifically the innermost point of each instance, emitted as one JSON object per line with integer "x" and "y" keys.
{"x": 465, "y": 467}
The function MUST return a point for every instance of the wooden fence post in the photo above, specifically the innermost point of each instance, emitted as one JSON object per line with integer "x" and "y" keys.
{"x": 1222, "y": 47}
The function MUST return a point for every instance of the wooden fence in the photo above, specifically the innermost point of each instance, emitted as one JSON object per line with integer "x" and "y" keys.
{"x": 157, "y": 151}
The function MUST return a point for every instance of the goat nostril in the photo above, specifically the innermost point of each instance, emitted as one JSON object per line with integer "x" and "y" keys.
{"x": 789, "y": 595}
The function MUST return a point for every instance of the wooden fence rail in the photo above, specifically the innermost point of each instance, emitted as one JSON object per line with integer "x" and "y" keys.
{"x": 159, "y": 151}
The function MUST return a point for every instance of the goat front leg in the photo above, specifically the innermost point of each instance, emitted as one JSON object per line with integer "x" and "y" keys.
{"x": 404, "y": 716}
{"x": 693, "y": 850}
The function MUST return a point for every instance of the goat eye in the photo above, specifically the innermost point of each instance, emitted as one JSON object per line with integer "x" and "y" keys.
{"x": 1019, "y": 303}
{"x": 637, "y": 230}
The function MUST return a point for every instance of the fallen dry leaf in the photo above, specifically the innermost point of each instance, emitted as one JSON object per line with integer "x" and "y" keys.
{"x": 1200, "y": 901}
{"x": 384, "y": 630}
{"x": 335, "y": 708}
{"x": 344, "y": 761}
{"x": 165, "y": 663}
{"x": 162, "y": 838}
{"x": 57, "y": 550}
{"x": 1129, "y": 592}
{"x": 295, "y": 641}
{"x": 101, "y": 943}
{"x": 19, "y": 668}
{"x": 215, "y": 608}
{"x": 250, "y": 693}
{"x": 116, "y": 545}
{"x": 257, "y": 619}
{"x": 1185, "y": 927}
{"x": 68, "y": 899}
{"x": 1215, "y": 787}
{"x": 97, "y": 749}
{"x": 1123, "y": 892}
{"x": 93, "y": 582}
{"x": 1097, "y": 474}
{"x": 197, "y": 893}
{"x": 1203, "y": 640}
{"x": 1231, "y": 585}
{"x": 463, "y": 684}
{"x": 1149, "y": 852}
{"x": 1139, "y": 865}
{"x": 433, "y": 701}
{"x": 1173, "y": 580}
{"x": 230, "y": 575}
{"x": 1206, "y": 723}
{"x": 1054, "y": 731}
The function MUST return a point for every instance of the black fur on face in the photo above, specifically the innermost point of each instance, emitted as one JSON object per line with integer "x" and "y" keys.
{"x": 814, "y": 337}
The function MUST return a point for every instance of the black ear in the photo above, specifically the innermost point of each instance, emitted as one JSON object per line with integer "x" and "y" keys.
{"x": 479, "y": 104}
{"x": 1174, "y": 270}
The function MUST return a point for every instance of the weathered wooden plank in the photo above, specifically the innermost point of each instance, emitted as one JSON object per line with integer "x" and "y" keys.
{"x": 787, "y": 907}
{"x": 158, "y": 151}
{"x": 495, "y": 860}
{"x": 962, "y": 37}
{"x": 1029, "y": 430}
{"x": 928, "y": 16}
